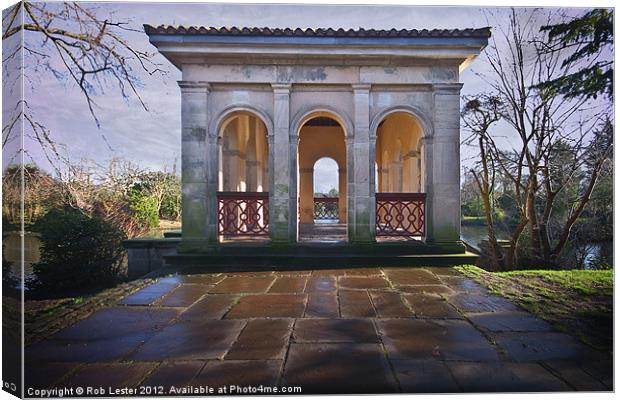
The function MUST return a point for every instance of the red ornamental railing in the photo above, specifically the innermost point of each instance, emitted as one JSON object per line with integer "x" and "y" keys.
{"x": 326, "y": 208}
{"x": 400, "y": 214}
{"x": 243, "y": 213}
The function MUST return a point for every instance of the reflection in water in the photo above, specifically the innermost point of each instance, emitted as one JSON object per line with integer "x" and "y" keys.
{"x": 11, "y": 251}
{"x": 474, "y": 234}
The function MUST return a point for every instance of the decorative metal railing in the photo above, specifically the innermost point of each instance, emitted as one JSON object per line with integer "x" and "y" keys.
{"x": 326, "y": 208}
{"x": 400, "y": 214}
{"x": 243, "y": 213}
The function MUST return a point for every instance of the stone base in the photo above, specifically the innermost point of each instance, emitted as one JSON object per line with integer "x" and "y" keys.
{"x": 146, "y": 255}
{"x": 452, "y": 246}
{"x": 188, "y": 246}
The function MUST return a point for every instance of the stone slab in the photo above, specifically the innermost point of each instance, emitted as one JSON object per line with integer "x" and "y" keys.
{"x": 203, "y": 279}
{"x": 269, "y": 305}
{"x": 117, "y": 322}
{"x": 288, "y": 285}
{"x": 434, "y": 339}
{"x": 321, "y": 284}
{"x": 212, "y": 306}
{"x": 322, "y": 305}
{"x": 429, "y": 289}
{"x": 184, "y": 295}
{"x": 149, "y": 294}
{"x": 174, "y": 373}
{"x": 115, "y": 376}
{"x": 390, "y": 305}
{"x": 338, "y": 368}
{"x": 359, "y": 282}
{"x": 424, "y": 376}
{"x": 509, "y": 321}
{"x": 462, "y": 284}
{"x": 573, "y": 372}
{"x": 363, "y": 272}
{"x": 191, "y": 340}
{"x": 478, "y": 303}
{"x": 355, "y": 304}
{"x": 262, "y": 339}
{"x": 218, "y": 374}
{"x": 431, "y": 306}
{"x": 505, "y": 377}
{"x": 335, "y": 330}
{"x": 411, "y": 276}
{"x": 542, "y": 346}
{"x": 109, "y": 334}
{"x": 243, "y": 284}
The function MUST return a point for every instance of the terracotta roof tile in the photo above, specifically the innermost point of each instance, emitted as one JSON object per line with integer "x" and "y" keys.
{"x": 327, "y": 32}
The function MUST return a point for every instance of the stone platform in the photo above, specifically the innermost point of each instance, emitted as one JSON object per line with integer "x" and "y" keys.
{"x": 371, "y": 330}
{"x": 242, "y": 254}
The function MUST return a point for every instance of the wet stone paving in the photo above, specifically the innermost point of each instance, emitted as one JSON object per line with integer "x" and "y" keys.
{"x": 370, "y": 330}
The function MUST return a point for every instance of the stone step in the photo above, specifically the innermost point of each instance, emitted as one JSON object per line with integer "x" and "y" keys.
{"x": 224, "y": 261}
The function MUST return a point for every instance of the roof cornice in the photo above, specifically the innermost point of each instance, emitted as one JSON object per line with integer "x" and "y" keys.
{"x": 318, "y": 32}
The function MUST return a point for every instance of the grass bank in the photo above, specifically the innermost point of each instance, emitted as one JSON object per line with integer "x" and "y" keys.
{"x": 579, "y": 302}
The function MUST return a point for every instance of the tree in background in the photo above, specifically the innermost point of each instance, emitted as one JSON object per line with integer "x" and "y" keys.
{"x": 558, "y": 145}
{"x": 585, "y": 37}
{"x": 41, "y": 193}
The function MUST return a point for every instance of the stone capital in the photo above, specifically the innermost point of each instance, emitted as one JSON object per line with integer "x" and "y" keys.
{"x": 447, "y": 88}
{"x": 281, "y": 88}
{"x": 194, "y": 86}
{"x": 361, "y": 87}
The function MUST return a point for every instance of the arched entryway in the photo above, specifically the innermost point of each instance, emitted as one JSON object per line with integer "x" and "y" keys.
{"x": 400, "y": 197}
{"x": 322, "y": 209}
{"x": 243, "y": 178}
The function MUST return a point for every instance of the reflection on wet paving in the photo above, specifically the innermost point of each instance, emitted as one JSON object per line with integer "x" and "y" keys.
{"x": 370, "y": 330}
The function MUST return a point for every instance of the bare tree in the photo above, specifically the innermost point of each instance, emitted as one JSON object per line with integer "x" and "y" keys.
{"x": 538, "y": 119}
{"x": 479, "y": 115}
{"x": 74, "y": 43}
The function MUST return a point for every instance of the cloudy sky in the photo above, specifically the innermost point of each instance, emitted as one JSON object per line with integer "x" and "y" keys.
{"x": 152, "y": 139}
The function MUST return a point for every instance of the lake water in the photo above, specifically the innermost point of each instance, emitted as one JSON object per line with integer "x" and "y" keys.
{"x": 11, "y": 251}
{"x": 474, "y": 234}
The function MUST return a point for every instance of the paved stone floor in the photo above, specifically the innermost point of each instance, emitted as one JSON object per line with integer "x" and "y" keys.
{"x": 372, "y": 330}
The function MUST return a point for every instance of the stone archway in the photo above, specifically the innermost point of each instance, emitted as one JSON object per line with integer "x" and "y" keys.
{"x": 400, "y": 195}
{"x": 243, "y": 177}
{"x": 321, "y": 136}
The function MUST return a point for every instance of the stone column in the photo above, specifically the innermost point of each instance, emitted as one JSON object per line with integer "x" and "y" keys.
{"x": 413, "y": 172}
{"x": 360, "y": 165}
{"x": 342, "y": 195}
{"x": 283, "y": 171}
{"x": 199, "y": 169}
{"x": 443, "y": 169}
{"x": 306, "y": 194}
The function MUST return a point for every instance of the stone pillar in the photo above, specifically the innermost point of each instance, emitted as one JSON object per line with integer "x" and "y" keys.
{"x": 306, "y": 195}
{"x": 412, "y": 164}
{"x": 342, "y": 195}
{"x": 283, "y": 171}
{"x": 360, "y": 165}
{"x": 199, "y": 169}
{"x": 443, "y": 169}
{"x": 251, "y": 162}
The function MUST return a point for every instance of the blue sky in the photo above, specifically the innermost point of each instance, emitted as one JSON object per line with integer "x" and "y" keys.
{"x": 152, "y": 139}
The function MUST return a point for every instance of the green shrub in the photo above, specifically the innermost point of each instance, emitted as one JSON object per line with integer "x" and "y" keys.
{"x": 77, "y": 251}
{"x": 145, "y": 208}
{"x": 171, "y": 207}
